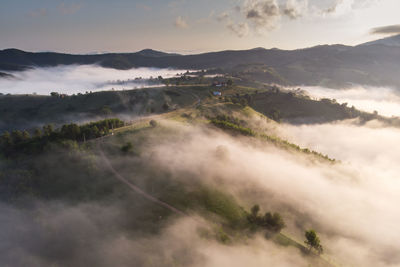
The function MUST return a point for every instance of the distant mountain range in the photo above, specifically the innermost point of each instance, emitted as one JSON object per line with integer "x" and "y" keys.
{"x": 389, "y": 41}
{"x": 375, "y": 63}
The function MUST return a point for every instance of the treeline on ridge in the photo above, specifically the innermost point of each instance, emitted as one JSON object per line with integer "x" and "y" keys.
{"x": 23, "y": 141}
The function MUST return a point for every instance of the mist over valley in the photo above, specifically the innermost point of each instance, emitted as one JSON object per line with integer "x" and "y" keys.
{"x": 76, "y": 79}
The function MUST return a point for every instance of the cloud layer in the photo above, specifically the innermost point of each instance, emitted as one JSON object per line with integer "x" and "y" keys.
{"x": 79, "y": 79}
{"x": 384, "y": 100}
{"x": 391, "y": 29}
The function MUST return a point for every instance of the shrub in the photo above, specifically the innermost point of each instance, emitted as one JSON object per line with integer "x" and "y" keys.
{"x": 128, "y": 147}
{"x": 233, "y": 127}
{"x": 272, "y": 222}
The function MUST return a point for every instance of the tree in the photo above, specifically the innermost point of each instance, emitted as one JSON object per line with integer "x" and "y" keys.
{"x": 165, "y": 106}
{"x": 17, "y": 136}
{"x": 275, "y": 115}
{"x": 6, "y": 139}
{"x": 244, "y": 102}
{"x": 254, "y": 210}
{"x": 106, "y": 110}
{"x": 153, "y": 123}
{"x": 312, "y": 240}
{"x": 273, "y": 221}
{"x": 253, "y": 216}
{"x": 25, "y": 135}
{"x": 95, "y": 132}
{"x": 54, "y": 94}
{"x": 48, "y": 129}
{"x": 128, "y": 147}
{"x": 229, "y": 82}
{"x": 37, "y": 133}
{"x": 71, "y": 131}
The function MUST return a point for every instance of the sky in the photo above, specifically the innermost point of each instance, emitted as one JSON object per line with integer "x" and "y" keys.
{"x": 191, "y": 26}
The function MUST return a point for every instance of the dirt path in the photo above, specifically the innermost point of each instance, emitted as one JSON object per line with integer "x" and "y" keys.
{"x": 134, "y": 187}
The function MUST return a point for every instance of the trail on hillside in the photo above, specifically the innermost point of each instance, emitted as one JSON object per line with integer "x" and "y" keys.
{"x": 134, "y": 187}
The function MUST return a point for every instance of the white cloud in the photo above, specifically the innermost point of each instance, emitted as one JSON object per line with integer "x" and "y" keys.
{"x": 240, "y": 29}
{"x": 181, "y": 23}
{"x": 263, "y": 16}
{"x": 295, "y": 9}
{"x": 69, "y": 8}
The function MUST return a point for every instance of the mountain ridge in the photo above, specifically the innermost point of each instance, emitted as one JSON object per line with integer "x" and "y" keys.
{"x": 388, "y": 41}
{"x": 335, "y": 66}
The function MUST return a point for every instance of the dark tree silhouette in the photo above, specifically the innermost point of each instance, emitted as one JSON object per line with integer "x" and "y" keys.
{"x": 312, "y": 240}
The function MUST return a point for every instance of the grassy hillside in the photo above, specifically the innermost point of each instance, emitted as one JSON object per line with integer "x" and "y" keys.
{"x": 29, "y": 111}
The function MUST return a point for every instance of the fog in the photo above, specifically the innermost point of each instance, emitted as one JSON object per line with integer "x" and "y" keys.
{"x": 368, "y": 152}
{"x": 80, "y": 79}
{"x": 384, "y": 100}
{"x": 92, "y": 235}
{"x": 352, "y": 204}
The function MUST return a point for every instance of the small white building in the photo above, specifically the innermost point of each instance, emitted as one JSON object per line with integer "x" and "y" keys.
{"x": 217, "y": 93}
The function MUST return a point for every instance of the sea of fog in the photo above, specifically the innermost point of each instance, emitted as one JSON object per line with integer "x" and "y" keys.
{"x": 384, "y": 100}
{"x": 75, "y": 79}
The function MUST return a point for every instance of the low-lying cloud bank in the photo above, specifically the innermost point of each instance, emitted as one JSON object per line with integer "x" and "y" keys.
{"x": 80, "y": 79}
{"x": 384, "y": 100}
